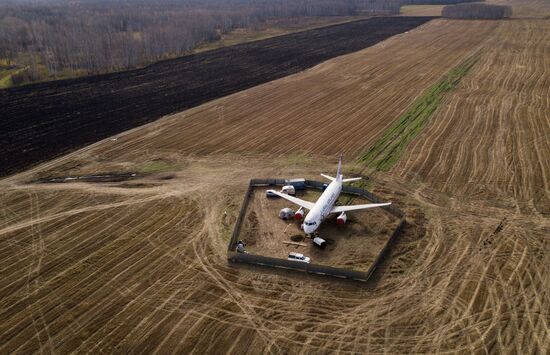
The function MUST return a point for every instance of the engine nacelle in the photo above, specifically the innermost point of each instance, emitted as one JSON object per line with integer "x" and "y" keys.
{"x": 342, "y": 218}
{"x": 299, "y": 215}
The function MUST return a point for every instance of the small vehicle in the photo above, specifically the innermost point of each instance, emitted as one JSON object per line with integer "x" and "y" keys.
{"x": 270, "y": 193}
{"x": 240, "y": 247}
{"x": 289, "y": 190}
{"x": 320, "y": 242}
{"x": 299, "y": 184}
{"x": 298, "y": 257}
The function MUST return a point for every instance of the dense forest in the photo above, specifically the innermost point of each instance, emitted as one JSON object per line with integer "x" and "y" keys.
{"x": 477, "y": 11}
{"x": 52, "y": 37}
{"x": 437, "y": 2}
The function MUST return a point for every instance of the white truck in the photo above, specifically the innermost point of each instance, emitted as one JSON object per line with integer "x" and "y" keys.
{"x": 298, "y": 257}
{"x": 289, "y": 190}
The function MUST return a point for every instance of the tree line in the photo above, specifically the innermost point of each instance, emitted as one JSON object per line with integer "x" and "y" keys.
{"x": 437, "y": 2}
{"x": 96, "y": 36}
{"x": 476, "y": 11}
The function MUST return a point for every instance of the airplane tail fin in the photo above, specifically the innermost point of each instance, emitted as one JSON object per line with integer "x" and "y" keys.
{"x": 338, "y": 172}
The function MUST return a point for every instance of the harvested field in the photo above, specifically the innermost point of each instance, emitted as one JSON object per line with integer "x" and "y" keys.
{"x": 421, "y": 10}
{"x": 491, "y": 137}
{"x": 104, "y": 268}
{"x": 340, "y": 105}
{"x": 72, "y": 113}
{"x": 108, "y": 269}
{"x": 526, "y": 8}
{"x": 389, "y": 147}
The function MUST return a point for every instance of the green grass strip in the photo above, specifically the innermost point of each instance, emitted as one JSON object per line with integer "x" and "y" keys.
{"x": 389, "y": 148}
{"x": 5, "y": 77}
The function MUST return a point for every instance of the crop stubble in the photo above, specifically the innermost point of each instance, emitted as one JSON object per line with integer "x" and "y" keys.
{"x": 340, "y": 105}
{"x": 491, "y": 136}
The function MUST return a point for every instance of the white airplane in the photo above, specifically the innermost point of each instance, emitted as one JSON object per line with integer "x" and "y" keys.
{"x": 324, "y": 206}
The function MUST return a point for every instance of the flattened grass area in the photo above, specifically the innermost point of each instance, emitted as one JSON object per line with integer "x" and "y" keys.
{"x": 42, "y": 74}
{"x": 388, "y": 149}
{"x": 421, "y": 10}
{"x": 5, "y": 76}
{"x": 158, "y": 166}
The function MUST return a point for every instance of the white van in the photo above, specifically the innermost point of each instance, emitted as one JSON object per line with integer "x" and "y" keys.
{"x": 320, "y": 242}
{"x": 298, "y": 257}
{"x": 289, "y": 190}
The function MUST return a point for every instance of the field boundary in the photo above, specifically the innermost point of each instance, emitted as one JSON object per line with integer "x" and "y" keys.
{"x": 255, "y": 259}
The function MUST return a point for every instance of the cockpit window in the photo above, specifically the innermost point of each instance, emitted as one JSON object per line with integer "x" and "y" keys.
{"x": 311, "y": 223}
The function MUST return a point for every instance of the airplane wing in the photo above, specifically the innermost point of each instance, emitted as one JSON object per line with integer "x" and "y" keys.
{"x": 337, "y": 209}
{"x": 298, "y": 201}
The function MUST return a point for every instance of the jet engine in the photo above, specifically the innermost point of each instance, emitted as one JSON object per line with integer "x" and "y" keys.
{"x": 342, "y": 218}
{"x": 299, "y": 215}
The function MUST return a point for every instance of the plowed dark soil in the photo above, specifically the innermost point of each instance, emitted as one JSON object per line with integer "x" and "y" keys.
{"x": 41, "y": 121}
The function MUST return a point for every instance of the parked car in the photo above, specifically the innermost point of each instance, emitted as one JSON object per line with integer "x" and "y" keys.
{"x": 320, "y": 242}
{"x": 298, "y": 257}
{"x": 289, "y": 190}
{"x": 270, "y": 193}
{"x": 299, "y": 184}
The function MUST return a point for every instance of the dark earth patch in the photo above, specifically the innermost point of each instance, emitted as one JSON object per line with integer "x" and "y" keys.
{"x": 105, "y": 177}
{"x": 41, "y": 121}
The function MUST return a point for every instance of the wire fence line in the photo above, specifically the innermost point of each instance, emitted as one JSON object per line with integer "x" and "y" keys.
{"x": 254, "y": 259}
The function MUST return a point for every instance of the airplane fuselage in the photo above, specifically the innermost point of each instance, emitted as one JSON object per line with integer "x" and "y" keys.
{"x": 323, "y": 206}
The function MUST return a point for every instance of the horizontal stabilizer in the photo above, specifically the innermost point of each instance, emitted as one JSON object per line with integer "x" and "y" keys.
{"x": 338, "y": 209}
{"x": 328, "y": 177}
{"x": 352, "y": 179}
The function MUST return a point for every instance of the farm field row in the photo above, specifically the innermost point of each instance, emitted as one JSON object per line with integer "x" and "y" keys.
{"x": 491, "y": 136}
{"x": 340, "y": 105}
{"x": 526, "y": 8}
